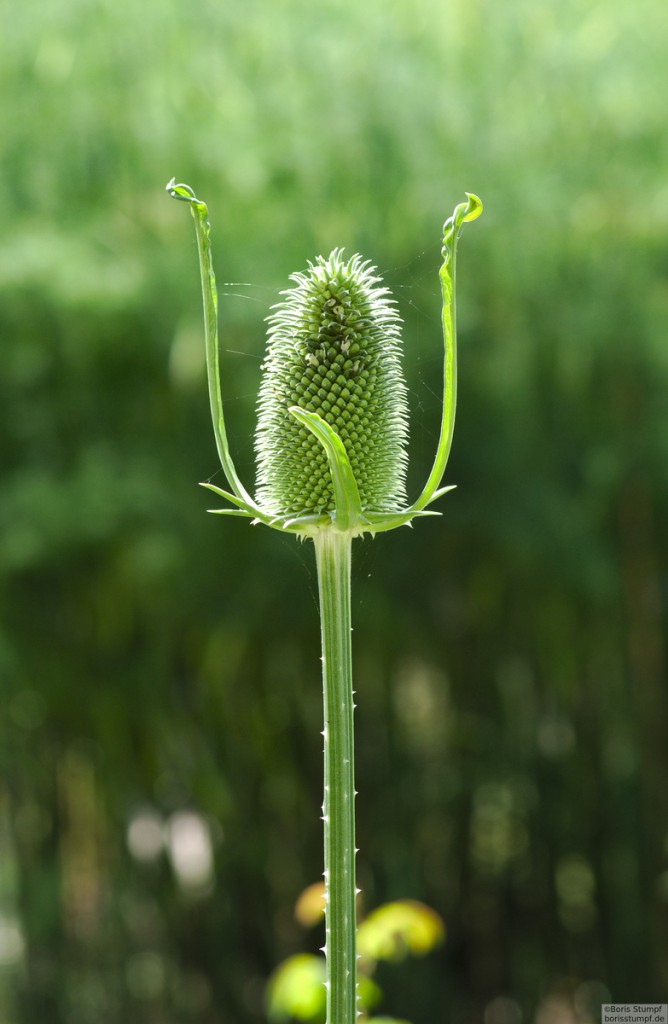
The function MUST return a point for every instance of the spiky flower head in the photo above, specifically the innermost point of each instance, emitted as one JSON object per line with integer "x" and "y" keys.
{"x": 334, "y": 349}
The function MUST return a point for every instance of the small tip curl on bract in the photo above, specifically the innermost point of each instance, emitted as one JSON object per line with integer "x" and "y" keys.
{"x": 332, "y": 411}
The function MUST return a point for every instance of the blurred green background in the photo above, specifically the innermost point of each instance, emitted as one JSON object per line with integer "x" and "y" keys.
{"x": 160, "y": 711}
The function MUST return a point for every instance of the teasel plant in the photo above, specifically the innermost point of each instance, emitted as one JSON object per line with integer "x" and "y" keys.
{"x": 331, "y": 459}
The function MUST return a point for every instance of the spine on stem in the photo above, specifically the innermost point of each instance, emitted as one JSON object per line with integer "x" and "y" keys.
{"x": 333, "y": 551}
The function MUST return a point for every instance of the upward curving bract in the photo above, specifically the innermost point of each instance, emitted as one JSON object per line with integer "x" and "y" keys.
{"x": 334, "y": 350}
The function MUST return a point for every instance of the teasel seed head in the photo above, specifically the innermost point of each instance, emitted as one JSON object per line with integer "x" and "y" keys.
{"x": 334, "y": 350}
{"x": 333, "y": 424}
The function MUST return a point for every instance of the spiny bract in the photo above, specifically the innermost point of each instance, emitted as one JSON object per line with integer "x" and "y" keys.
{"x": 334, "y": 349}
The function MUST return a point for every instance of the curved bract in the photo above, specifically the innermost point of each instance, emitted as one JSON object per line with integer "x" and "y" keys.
{"x": 332, "y": 423}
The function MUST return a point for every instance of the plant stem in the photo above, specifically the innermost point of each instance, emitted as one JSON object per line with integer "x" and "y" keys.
{"x": 333, "y": 555}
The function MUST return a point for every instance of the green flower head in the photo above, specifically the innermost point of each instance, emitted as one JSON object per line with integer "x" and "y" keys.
{"x": 332, "y": 413}
{"x": 334, "y": 350}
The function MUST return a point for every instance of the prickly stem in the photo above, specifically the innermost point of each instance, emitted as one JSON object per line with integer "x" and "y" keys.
{"x": 333, "y": 553}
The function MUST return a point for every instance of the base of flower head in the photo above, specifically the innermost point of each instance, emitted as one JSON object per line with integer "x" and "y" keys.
{"x": 310, "y": 526}
{"x": 348, "y": 516}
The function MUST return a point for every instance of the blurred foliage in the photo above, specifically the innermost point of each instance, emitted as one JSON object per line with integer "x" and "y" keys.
{"x": 391, "y": 932}
{"x": 161, "y": 766}
{"x": 296, "y": 989}
{"x": 396, "y": 929}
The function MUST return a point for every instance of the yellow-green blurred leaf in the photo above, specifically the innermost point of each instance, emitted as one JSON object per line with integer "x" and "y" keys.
{"x": 396, "y": 929}
{"x": 368, "y": 993}
{"x": 310, "y": 905}
{"x": 386, "y": 1020}
{"x": 297, "y": 989}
